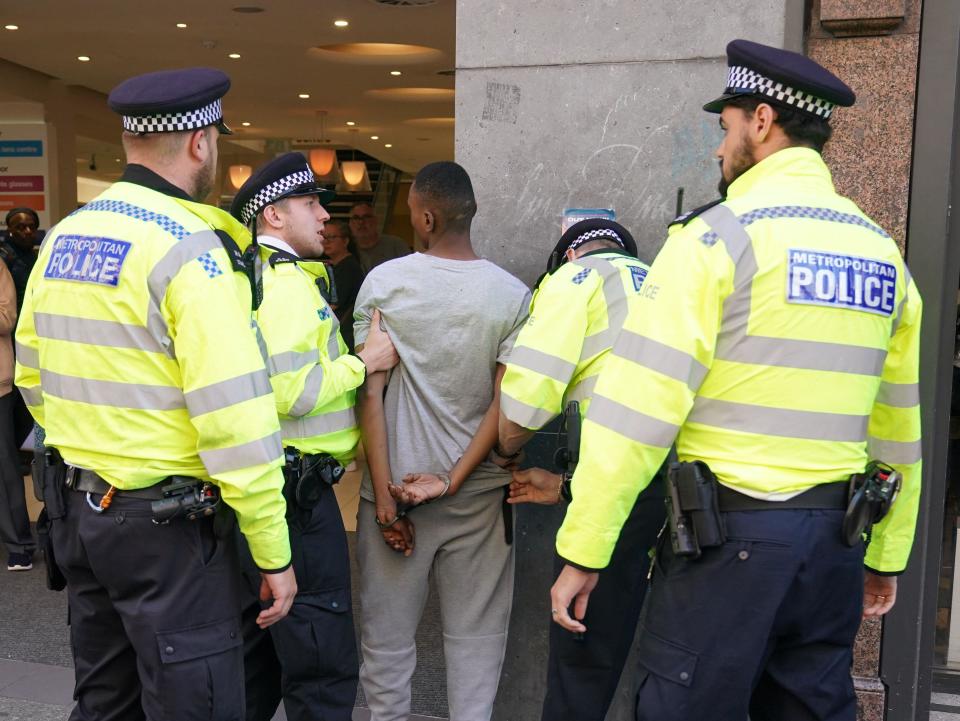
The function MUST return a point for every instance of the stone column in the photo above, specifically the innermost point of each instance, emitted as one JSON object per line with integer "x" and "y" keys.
{"x": 873, "y": 45}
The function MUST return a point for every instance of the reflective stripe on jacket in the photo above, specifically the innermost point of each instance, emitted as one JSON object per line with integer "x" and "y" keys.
{"x": 776, "y": 338}
{"x": 575, "y": 315}
{"x": 136, "y": 354}
{"x": 314, "y": 379}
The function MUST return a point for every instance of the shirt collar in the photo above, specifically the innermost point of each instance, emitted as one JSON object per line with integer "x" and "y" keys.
{"x": 804, "y": 164}
{"x": 142, "y": 175}
{"x": 272, "y": 241}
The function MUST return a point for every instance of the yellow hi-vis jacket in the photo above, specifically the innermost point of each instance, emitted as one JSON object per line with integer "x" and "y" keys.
{"x": 776, "y": 338}
{"x": 136, "y": 353}
{"x": 575, "y": 315}
{"x": 314, "y": 379}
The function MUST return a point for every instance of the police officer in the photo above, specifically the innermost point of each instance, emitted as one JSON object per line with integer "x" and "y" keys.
{"x": 576, "y": 312}
{"x": 137, "y": 355}
{"x": 311, "y": 656}
{"x": 777, "y": 342}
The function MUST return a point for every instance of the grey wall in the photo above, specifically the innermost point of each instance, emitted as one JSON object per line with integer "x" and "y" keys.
{"x": 592, "y": 103}
{"x": 587, "y": 103}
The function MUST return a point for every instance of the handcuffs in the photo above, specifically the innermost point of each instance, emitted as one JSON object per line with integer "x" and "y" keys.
{"x": 402, "y": 512}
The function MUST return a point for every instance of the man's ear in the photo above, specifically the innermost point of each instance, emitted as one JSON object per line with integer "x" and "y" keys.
{"x": 271, "y": 217}
{"x": 429, "y": 221}
{"x": 763, "y": 119}
{"x": 199, "y": 145}
{"x": 571, "y": 254}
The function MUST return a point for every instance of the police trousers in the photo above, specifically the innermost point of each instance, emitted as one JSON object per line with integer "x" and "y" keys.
{"x": 14, "y": 521}
{"x": 763, "y": 625}
{"x": 583, "y": 671}
{"x": 309, "y": 659}
{"x": 154, "y": 614}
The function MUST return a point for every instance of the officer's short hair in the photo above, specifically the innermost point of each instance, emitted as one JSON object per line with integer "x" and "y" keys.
{"x": 448, "y": 186}
{"x": 164, "y": 147}
{"x": 801, "y": 128}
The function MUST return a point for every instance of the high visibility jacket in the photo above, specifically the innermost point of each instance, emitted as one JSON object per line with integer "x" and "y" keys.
{"x": 135, "y": 352}
{"x": 776, "y": 338}
{"x": 314, "y": 379}
{"x": 575, "y": 315}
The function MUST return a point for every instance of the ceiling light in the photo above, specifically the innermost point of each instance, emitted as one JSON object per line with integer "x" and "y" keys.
{"x": 374, "y": 137}
{"x": 354, "y": 176}
{"x": 323, "y": 161}
{"x": 181, "y": 25}
{"x": 304, "y": 96}
{"x": 395, "y": 72}
{"x": 11, "y": 27}
{"x": 248, "y": 9}
{"x": 83, "y": 58}
{"x": 388, "y": 145}
{"x": 341, "y": 23}
{"x": 350, "y": 122}
{"x": 239, "y": 174}
{"x": 116, "y": 160}
{"x": 245, "y": 124}
{"x": 234, "y": 56}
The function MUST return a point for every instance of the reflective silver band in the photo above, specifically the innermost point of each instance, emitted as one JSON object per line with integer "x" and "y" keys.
{"x": 333, "y": 344}
{"x": 661, "y": 358}
{"x": 112, "y": 393}
{"x": 291, "y": 360}
{"x": 903, "y": 452}
{"x": 255, "y": 453}
{"x": 32, "y": 396}
{"x": 615, "y": 298}
{"x": 307, "y": 399}
{"x": 782, "y": 422}
{"x": 583, "y": 390}
{"x": 27, "y": 356}
{"x": 903, "y": 301}
{"x": 166, "y": 269}
{"x": 899, "y": 395}
{"x": 632, "y": 424}
{"x": 524, "y": 415}
{"x": 594, "y": 345}
{"x": 807, "y": 355}
{"x": 319, "y": 425}
{"x": 223, "y": 394}
{"x": 543, "y": 363}
{"x": 96, "y": 332}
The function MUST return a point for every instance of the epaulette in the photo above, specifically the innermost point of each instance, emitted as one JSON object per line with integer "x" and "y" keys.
{"x": 281, "y": 256}
{"x": 691, "y": 214}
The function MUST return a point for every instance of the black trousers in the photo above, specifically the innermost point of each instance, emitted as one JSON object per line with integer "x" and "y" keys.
{"x": 761, "y": 626}
{"x": 14, "y": 521}
{"x": 583, "y": 672}
{"x": 309, "y": 659}
{"x": 154, "y": 614}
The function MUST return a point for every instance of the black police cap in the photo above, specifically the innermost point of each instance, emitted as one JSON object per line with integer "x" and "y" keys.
{"x": 168, "y": 101}
{"x": 285, "y": 176}
{"x": 783, "y": 77}
{"x": 588, "y": 230}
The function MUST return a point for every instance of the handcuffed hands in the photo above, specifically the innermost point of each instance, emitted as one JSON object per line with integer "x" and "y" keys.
{"x": 419, "y": 488}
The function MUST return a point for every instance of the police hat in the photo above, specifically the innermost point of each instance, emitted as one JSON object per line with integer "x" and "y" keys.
{"x": 285, "y": 176}
{"x": 171, "y": 100}
{"x": 781, "y": 76}
{"x": 589, "y": 230}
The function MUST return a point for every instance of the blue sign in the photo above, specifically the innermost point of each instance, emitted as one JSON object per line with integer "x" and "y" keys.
{"x": 21, "y": 148}
{"x": 638, "y": 274}
{"x": 841, "y": 281}
{"x": 87, "y": 259}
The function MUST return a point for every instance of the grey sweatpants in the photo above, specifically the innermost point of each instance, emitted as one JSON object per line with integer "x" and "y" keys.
{"x": 460, "y": 542}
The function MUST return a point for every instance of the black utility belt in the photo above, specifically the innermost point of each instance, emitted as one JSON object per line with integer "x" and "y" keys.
{"x": 306, "y": 475}
{"x": 85, "y": 481}
{"x": 827, "y": 497}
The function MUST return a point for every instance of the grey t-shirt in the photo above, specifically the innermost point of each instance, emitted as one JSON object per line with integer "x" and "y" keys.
{"x": 452, "y": 321}
{"x": 387, "y": 248}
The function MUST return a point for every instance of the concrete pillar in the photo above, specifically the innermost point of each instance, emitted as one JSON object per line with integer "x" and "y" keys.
{"x": 62, "y": 136}
{"x": 579, "y": 103}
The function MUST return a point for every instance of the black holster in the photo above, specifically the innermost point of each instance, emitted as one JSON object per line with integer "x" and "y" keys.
{"x": 306, "y": 475}
{"x": 871, "y": 495}
{"x": 693, "y": 509}
{"x": 49, "y": 485}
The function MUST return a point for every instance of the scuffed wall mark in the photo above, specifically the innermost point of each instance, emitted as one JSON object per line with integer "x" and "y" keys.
{"x": 502, "y": 103}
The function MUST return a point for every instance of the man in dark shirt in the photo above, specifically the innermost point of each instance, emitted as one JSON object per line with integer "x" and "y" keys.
{"x": 18, "y": 248}
{"x": 347, "y": 274}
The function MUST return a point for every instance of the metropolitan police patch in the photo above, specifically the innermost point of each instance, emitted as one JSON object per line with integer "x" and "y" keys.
{"x": 841, "y": 281}
{"x": 323, "y": 312}
{"x": 87, "y": 259}
{"x": 639, "y": 275}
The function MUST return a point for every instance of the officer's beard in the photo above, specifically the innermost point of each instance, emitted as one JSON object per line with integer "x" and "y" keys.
{"x": 204, "y": 180}
{"x": 741, "y": 160}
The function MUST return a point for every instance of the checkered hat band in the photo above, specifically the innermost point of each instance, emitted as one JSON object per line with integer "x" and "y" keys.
{"x": 277, "y": 189}
{"x": 595, "y": 235}
{"x": 741, "y": 79}
{"x": 172, "y": 122}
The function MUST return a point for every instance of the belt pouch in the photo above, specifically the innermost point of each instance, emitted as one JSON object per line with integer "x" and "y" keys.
{"x": 697, "y": 488}
{"x": 53, "y": 484}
